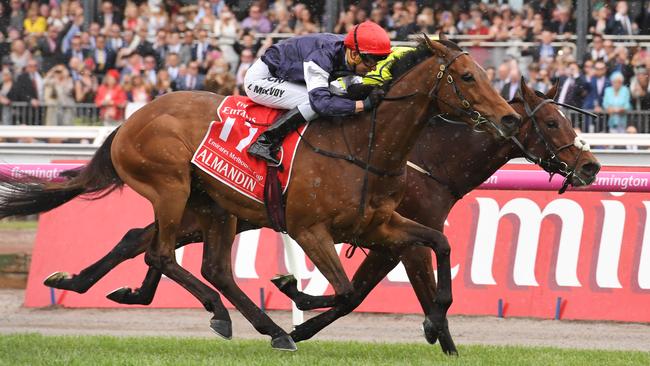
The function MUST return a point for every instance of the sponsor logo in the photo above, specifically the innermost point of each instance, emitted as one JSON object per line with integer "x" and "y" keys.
{"x": 272, "y": 91}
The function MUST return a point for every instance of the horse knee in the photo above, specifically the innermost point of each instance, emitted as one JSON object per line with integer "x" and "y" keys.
{"x": 444, "y": 299}
{"x": 216, "y": 277}
{"x": 442, "y": 248}
{"x": 159, "y": 262}
{"x": 128, "y": 247}
{"x": 347, "y": 302}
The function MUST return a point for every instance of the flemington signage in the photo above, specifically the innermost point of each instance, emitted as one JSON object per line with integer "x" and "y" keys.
{"x": 591, "y": 249}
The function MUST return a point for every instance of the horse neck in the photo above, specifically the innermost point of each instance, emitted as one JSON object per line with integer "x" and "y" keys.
{"x": 400, "y": 122}
{"x": 459, "y": 157}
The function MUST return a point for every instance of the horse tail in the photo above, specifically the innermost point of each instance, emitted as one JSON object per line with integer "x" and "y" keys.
{"x": 27, "y": 195}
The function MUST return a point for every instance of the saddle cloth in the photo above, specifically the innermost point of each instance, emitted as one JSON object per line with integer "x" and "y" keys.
{"x": 222, "y": 153}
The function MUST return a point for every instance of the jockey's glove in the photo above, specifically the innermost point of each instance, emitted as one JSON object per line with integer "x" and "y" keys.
{"x": 373, "y": 99}
{"x": 359, "y": 91}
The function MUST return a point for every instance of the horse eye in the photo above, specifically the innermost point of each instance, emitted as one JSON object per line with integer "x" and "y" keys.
{"x": 552, "y": 124}
{"x": 468, "y": 76}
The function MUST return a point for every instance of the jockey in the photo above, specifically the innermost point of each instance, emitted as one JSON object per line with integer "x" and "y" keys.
{"x": 357, "y": 87}
{"x": 295, "y": 74}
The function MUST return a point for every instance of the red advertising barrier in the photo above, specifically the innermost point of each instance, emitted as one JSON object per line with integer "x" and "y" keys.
{"x": 528, "y": 248}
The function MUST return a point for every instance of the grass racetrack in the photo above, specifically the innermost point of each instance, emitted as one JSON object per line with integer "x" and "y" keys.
{"x": 33, "y": 349}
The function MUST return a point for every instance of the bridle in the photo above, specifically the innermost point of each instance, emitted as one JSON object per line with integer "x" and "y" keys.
{"x": 474, "y": 115}
{"x": 478, "y": 121}
{"x": 552, "y": 164}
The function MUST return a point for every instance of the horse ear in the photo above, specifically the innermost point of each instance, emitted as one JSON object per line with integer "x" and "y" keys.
{"x": 442, "y": 36}
{"x": 552, "y": 93}
{"x": 526, "y": 92}
{"x": 429, "y": 42}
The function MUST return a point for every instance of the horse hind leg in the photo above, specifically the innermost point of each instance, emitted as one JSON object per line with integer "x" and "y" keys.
{"x": 134, "y": 242}
{"x": 144, "y": 294}
{"x": 168, "y": 193}
{"x": 217, "y": 268}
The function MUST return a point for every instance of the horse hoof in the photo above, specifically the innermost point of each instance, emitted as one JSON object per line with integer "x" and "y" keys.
{"x": 284, "y": 343}
{"x": 223, "y": 328}
{"x": 282, "y": 281}
{"x": 430, "y": 331}
{"x": 119, "y": 294}
{"x": 56, "y": 277}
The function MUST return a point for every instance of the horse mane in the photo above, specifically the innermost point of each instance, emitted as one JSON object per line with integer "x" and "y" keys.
{"x": 420, "y": 53}
{"x": 410, "y": 59}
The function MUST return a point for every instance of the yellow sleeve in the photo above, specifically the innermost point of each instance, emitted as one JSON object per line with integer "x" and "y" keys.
{"x": 382, "y": 73}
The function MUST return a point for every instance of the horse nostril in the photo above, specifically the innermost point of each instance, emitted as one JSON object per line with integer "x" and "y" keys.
{"x": 590, "y": 169}
{"x": 511, "y": 121}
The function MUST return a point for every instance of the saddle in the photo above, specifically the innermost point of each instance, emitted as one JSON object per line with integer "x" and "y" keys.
{"x": 222, "y": 155}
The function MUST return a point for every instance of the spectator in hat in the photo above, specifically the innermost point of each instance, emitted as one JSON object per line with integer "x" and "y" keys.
{"x": 111, "y": 98}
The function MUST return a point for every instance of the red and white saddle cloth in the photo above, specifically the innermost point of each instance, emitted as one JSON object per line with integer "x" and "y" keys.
{"x": 222, "y": 154}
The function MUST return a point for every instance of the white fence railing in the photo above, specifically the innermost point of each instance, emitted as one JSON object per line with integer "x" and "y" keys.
{"x": 628, "y": 149}
{"x": 81, "y": 135}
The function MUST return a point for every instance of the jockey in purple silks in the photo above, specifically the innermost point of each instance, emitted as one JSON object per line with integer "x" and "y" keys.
{"x": 295, "y": 74}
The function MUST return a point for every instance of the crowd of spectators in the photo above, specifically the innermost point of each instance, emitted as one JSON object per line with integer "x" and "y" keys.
{"x": 133, "y": 51}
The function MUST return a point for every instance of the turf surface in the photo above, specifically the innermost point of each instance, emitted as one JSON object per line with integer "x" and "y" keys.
{"x": 32, "y": 349}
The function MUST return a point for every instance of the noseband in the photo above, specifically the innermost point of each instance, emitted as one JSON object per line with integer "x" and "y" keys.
{"x": 552, "y": 164}
{"x": 474, "y": 115}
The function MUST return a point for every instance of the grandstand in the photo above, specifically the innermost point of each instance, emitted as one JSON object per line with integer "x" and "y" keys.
{"x": 67, "y": 64}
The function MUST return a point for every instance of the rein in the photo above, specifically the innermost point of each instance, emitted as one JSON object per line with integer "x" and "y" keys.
{"x": 553, "y": 165}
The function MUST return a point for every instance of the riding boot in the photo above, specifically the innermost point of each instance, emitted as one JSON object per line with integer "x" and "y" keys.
{"x": 269, "y": 142}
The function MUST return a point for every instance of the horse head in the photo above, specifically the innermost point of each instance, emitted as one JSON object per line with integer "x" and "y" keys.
{"x": 549, "y": 140}
{"x": 463, "y": 91}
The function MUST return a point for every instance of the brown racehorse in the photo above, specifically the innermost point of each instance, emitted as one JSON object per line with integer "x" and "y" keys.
{"x": 439, "y": 188}
{"x": 151, "y": 153}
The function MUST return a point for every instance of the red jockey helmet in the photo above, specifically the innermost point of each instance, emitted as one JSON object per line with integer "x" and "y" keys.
{"x": 368, "y": 38}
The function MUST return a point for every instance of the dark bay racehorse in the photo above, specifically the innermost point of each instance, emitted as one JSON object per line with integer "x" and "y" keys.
{"x": 429, "y": 198}
{"x": 151, "y": 153}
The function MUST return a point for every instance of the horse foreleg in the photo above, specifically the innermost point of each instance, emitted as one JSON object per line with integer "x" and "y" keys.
{"x": 134, "y": 242}
{"x": 217, "y": 268}
{"x": 403, "y": 232}
{"x": 371, "y": 271}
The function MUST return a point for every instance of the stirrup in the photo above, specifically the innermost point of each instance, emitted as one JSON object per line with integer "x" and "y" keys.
{"x": 263, "y": 152}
